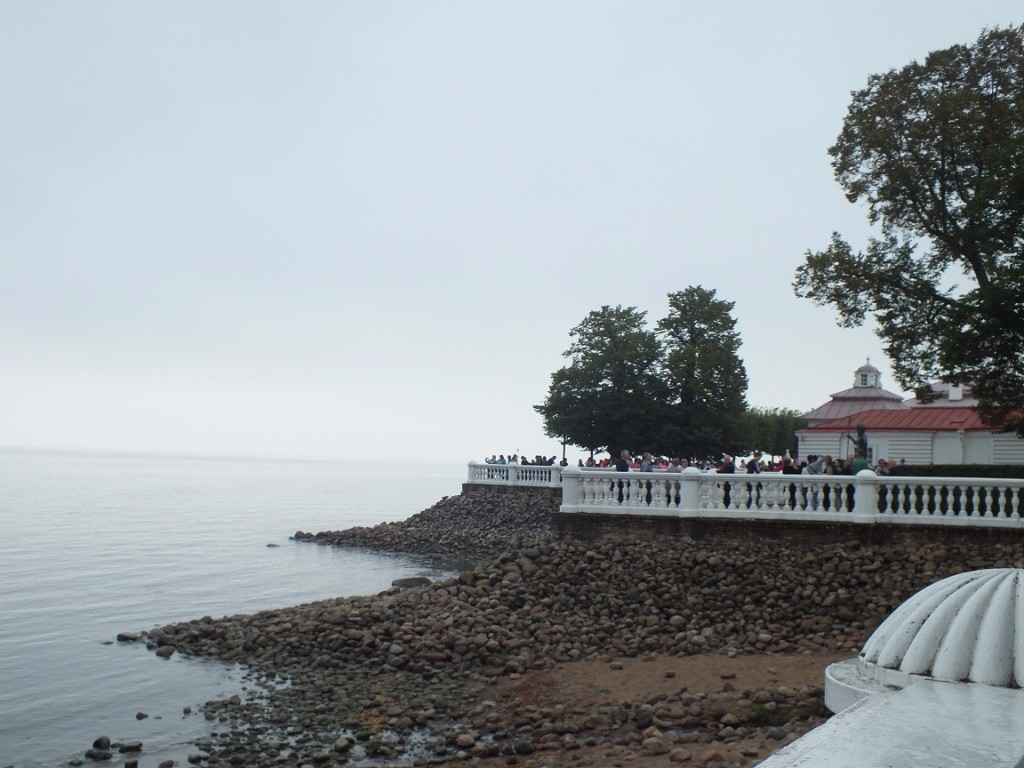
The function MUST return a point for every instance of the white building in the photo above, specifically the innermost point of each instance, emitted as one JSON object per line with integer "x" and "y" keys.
{"x": 946, "y": 430}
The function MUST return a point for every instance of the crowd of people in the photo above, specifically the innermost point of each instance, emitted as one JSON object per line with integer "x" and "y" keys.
{"x": 538, "y": 460}
{"x": 757, "y": 463}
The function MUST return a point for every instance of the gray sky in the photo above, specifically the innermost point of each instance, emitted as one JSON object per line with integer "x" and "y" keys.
{"x": 340, "y": 230}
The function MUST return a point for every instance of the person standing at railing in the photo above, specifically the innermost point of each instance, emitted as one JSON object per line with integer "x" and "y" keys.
{"x": 647, "y": 465}
{"x": 860, "y": 461}
{"x": 675, "y": 466}
{"x": 828, "y": 467}
{"x": 728, "y": 468}
{"x": 622, "y": 465}
{"x": 754, "y": 491}
{"x": 882, "y": 470}
{"x": 852, "y": 466}
{"x": 788, "y": 468}
{"x": 815, "y": 466}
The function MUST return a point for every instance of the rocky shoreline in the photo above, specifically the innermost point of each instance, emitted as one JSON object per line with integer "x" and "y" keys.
{"x": 440, "y": 672}
{"x": 471, "y": 526}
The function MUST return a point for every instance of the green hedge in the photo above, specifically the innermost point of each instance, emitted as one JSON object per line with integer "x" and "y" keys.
{"x": 1012, "y": 471}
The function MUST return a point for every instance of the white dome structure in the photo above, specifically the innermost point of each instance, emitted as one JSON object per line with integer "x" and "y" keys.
{"x": 939, "y": 683}
{"x": 965, "y": 628}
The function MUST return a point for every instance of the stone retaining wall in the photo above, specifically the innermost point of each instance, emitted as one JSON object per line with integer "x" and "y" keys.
{"x": 594, "y": 527}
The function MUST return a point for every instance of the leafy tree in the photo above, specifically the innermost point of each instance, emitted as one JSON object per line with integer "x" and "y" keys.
{"x": 772, "y": 430}
{"x": 678, "y": 390}
{"x": 612, "y": 393}
{"x": 936, "y": 151}
{"x": 705, "y": 373}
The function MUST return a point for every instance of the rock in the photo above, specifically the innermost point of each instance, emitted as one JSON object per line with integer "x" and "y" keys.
{"x": 130, "y": 746}
{"x": 165, "y": 651}
{"x": 142, "y": 715}
{"x": 98, "y": 754}
{"x": 103, "y": 742}
{"x": 411, "y": 581}
{"x": 654, "y": 746}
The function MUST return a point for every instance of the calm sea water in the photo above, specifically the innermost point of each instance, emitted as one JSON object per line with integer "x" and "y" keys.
{"x": 92, "y": 545}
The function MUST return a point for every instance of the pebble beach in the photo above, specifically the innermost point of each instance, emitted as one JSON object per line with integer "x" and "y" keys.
{"x": 434, "y": 672}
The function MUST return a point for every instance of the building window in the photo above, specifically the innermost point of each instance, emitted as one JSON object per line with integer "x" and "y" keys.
{"x": 863, "y": 379}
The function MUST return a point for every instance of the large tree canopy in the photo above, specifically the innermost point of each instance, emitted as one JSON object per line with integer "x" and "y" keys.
{"x": 706, "y": 375}
{"x": 611, "y": 394}
{"x": 936, "y": 151}
{"x": 679, "y": 390}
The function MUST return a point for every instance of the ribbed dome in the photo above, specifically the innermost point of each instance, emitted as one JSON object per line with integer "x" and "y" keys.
{"x": 966, "y": 628}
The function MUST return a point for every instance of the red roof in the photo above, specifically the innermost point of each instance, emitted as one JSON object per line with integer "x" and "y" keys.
{"x": 854, "y": 400}
{"x": 907, "y": 420}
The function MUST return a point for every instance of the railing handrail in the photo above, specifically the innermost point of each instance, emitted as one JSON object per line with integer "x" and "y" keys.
{"x": 863, "y": 498}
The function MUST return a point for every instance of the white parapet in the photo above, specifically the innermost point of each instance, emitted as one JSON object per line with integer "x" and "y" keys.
{"x": 930, "y": 724}
{"x": 865, "y": 498}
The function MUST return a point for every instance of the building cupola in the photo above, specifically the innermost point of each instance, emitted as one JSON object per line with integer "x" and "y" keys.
{"x": 867, "y": 376}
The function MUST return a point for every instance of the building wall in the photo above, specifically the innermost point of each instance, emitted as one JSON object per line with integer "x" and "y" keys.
{"x": 819, "y": 444}
{"x": 1007, "y": 449}
{"x": 921, "y": 447}
{"x": 947, "y": 448}
{"x": 979, "y": 449}
{"x": 914, "y": 448}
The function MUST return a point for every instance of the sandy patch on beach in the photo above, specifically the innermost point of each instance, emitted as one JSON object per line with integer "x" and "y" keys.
{"x": 588, "y": 685}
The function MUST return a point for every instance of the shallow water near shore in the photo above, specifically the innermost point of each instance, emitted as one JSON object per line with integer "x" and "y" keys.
{"x": 93, "y": 545}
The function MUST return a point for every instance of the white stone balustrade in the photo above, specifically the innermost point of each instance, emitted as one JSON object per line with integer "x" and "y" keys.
{"x": 865, "y": 498}
{"x": 515, "y": 474}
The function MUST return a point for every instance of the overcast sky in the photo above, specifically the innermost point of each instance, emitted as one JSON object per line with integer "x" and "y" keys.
{"x": 340, "y": 230}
